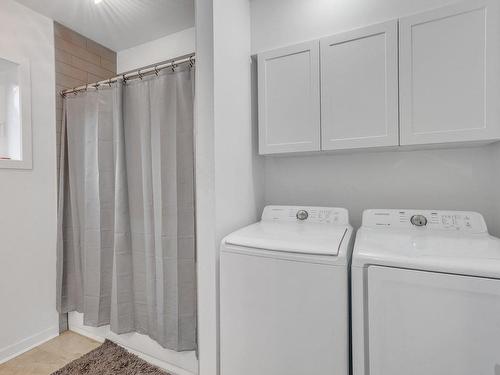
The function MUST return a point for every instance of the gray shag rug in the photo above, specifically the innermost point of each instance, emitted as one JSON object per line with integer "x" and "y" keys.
{"x": 109, "y": 359}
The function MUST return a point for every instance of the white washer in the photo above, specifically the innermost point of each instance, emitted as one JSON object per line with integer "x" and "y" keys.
{"x": 284, "y": 299}
{"x": 425, "y": 294}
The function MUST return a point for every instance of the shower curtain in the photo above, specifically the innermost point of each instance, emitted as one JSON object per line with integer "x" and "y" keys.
{"x": 126, "y": 241}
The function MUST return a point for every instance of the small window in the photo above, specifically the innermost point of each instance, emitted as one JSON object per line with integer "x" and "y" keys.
{"x": 15, "y": 114}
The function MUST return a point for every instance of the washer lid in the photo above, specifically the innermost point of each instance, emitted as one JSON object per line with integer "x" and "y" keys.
{"x": 460, "y": 248}
{"x": 296, "y": 237}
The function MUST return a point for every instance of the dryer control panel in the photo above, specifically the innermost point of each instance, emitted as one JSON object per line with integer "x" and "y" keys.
{"x": 324, "y": 215}
{"x": 470, "y": 222}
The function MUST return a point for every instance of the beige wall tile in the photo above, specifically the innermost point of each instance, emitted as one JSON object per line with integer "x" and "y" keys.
{"x": 71, "y": 71}
{"x": 91, "y": 68}
{"x": 58, "y": 117}
{"x": 71, "y": 36}
{"x": 92, "y": 78}
{"x": 62, "y": 56}
{"x": 58, "y": 101}
{"x": 74, "y": 50}
{"x": 101, "y": 50}
{"x": 67, "y": 81}
{"x": 108, "y": 65}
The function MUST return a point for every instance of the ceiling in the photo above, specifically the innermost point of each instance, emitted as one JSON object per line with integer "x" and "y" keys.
{"x": 119, "y": 24}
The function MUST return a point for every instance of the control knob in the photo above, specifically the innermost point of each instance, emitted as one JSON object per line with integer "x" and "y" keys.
{"x": 302, "y": 215}
{"x": 419, "y": 220}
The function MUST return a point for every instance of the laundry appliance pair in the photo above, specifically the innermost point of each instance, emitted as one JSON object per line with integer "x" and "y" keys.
{"x": 419, "y": 294}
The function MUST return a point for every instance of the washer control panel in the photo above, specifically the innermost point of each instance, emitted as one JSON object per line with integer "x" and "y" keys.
{"x": 471, "y": 222}
{"x": 306, "y": 214}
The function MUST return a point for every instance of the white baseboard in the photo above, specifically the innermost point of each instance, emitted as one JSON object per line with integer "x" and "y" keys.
{"x": 132, "y": 343}
{"x": 28, "y": 343}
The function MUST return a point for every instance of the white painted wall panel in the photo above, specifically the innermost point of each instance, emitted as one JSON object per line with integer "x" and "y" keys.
{"x": 229, "y": 174}
{"x": 158, "y": 50}
{"x": 28, "y": 198}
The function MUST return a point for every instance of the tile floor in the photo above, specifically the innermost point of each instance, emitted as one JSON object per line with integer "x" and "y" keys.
{"x": 50, "y": 356}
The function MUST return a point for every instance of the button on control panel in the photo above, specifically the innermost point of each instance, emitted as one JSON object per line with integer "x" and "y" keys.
{"x": 471, "y": 222}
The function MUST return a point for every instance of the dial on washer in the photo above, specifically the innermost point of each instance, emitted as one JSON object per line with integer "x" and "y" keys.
{"x": 302, "y": 215}
{"x": 419, "y": 220}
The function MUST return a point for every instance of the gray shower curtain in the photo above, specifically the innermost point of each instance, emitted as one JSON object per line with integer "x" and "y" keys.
{"x": 126, "y": 241}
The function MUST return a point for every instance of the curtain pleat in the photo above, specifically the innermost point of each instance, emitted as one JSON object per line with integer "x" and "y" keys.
{"x": 126, "y": 242}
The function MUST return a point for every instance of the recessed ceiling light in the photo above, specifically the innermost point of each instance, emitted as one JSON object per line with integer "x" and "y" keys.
{"x": 97, "y": 1}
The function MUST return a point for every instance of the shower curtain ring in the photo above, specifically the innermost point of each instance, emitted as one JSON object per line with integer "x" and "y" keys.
{"x": 156, "y": 71}
{"x": 191, "y": 63}
{"x": 109, "y": 82}
{"x": 97, "y": 86}
{"x": 139, "y": 74}
{"x": 173, "y": 66}
{"x": 86, "y": 87}
{"x": 124, "y": 77}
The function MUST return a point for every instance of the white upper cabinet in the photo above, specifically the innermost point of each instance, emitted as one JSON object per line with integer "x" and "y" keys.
{"x": 359, "y": 88}
{"x": 444, "y": 87}
{"x": 289, "y": 99}
{"x": 450, "y": 74}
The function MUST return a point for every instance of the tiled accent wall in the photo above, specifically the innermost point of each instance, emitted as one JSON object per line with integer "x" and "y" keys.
{"x": 79, "y": 60}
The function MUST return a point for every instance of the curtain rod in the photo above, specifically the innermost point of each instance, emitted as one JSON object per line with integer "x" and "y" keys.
{"x": 134, "y": 74}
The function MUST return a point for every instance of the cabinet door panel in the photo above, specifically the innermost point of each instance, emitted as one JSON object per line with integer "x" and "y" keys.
{"x": 359, "y": 88}
{"x": 289, "y": 104}
{"x": 449, "y": 74}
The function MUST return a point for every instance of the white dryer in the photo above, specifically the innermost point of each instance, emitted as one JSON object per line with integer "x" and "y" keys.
{"x": 284, "y": 299}
{"x": 425, "y": 294}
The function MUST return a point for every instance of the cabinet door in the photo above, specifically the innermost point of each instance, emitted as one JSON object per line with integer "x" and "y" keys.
{"x": 289, "y": 107}
{"x": 359, "y": 88}
{"x": 450, "y": 75}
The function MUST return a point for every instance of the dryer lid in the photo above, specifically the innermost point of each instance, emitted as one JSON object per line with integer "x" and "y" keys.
{"x": 295, "y": 237}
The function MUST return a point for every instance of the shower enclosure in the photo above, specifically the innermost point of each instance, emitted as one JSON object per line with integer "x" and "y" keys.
{"x": 126, "y": 236}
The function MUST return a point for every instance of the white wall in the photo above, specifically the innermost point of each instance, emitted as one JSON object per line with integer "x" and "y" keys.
{"x": 158, "y": 50}
{"x": 277, "y": 23}
{"x": 28, "y": 197}
{"x": 229, "y": 174}
{"x": 435, "y": 179}
{"x": 206, "y": 244}
{"x": 462, "y": 179}
{"x": 238, "y": 170}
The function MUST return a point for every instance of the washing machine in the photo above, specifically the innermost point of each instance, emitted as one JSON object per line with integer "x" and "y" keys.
{"x": 284, "y": 298}
{"x": 425, "y": 294}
